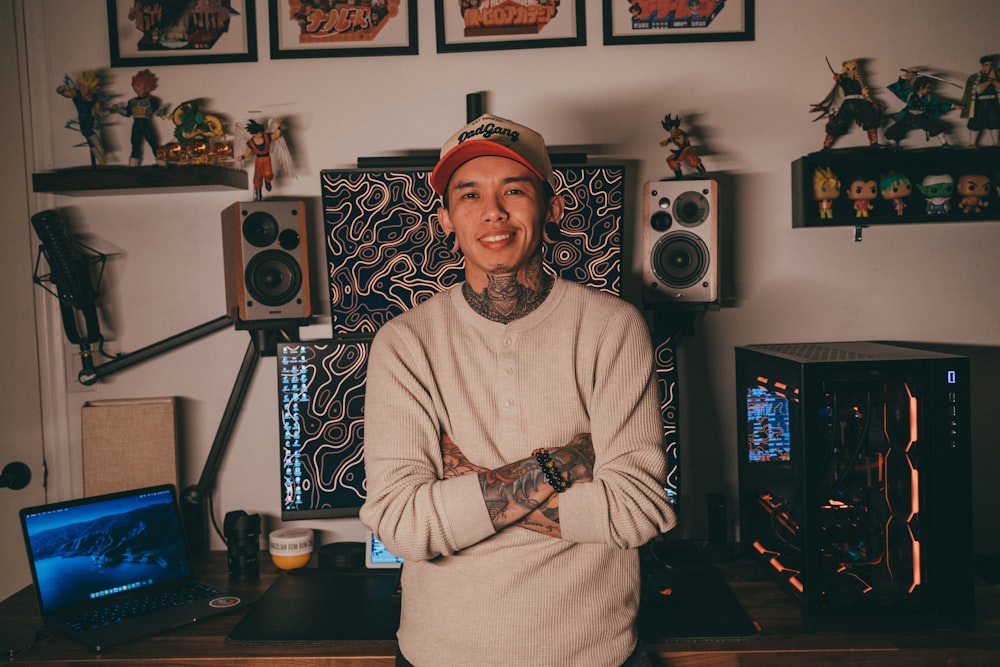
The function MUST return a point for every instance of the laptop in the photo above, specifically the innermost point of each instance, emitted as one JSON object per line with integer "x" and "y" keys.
{"x": 114, "y": 568}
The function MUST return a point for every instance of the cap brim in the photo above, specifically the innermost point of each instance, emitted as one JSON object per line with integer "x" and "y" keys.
{"x": 466, "y": 151}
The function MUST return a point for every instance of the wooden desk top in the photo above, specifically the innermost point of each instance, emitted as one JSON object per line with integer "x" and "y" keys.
{"x": 781, "y": 642}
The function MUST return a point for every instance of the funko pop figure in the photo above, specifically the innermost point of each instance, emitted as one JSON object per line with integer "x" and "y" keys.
{"x": 826, "y": 188}
{"x": 862, "y": 192}
{"x": 973, "y": 190}
{"x": 895, "y": 188}
{"x": 937, "y": 190}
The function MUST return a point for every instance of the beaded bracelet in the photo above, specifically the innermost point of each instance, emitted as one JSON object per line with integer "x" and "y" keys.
{"x": 548, "y": 467}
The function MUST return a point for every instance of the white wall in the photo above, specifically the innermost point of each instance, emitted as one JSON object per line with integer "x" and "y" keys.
{"x": 920, "y": 283}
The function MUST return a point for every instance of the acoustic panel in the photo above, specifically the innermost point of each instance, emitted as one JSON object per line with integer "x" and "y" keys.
{"x": 129, "y": 444}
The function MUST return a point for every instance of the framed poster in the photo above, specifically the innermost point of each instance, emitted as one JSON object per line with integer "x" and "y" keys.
{"x": 493, "y": 25}
{"x": 664, "y": 21}
{"x": 143, "y": 33}
{"x": 330, "y": 28}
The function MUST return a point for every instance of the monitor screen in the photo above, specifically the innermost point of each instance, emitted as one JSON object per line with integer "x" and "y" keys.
{"x": 321, "y": 394}
{"x": 768, "y": 426}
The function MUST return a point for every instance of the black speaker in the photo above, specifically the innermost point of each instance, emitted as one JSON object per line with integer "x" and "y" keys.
{"x": 266, "y": 260}
{"x": 680, "y": 241}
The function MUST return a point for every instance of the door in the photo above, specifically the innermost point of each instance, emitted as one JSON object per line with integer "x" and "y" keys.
{"x": 20, "y": 397}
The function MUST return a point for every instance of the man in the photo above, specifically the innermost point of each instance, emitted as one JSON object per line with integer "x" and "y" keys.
{"x": 513, "y": 440}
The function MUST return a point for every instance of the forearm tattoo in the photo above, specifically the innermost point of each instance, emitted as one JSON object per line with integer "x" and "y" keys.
{"x": 511, "y": 491}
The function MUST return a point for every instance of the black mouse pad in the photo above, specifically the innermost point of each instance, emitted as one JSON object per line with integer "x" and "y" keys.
{"x": 318, "y": 606}
{"x": 691, "y": 601}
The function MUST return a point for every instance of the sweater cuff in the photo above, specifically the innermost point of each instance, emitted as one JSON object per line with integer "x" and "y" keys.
{"x": 580, "y": 511}
{"x": 465, "y": 507}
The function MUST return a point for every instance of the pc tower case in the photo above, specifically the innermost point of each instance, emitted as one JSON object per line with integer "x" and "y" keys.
{"x": 854, "y": 481}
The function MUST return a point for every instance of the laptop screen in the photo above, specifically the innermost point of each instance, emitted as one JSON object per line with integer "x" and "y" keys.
{"x": 91, "y": 548}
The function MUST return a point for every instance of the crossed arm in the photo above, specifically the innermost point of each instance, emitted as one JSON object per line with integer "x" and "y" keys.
{"x": 517, "y": 493}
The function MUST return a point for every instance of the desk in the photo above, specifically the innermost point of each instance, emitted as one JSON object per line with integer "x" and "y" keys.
{"x": 781, "y": 642}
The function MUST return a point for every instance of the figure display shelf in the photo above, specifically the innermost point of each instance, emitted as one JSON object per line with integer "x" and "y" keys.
{"x": 861, "y": 187}
{"x": 197, "y": 157}
{"x": 81, "y": 181}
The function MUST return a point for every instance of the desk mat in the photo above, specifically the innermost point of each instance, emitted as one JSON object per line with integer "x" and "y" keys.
{"x": 315, "y": 606}
{"x": 679, "y": 602}
{"x": 687, "y": 601}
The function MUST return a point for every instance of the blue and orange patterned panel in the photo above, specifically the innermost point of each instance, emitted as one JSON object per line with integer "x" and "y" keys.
{"x": 386, "y": 251}
{"x": 665, "y": 358}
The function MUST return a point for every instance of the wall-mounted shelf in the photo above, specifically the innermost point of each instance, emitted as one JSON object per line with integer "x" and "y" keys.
{"x": 138, "y": 180}
{"x": 874, "y": 162}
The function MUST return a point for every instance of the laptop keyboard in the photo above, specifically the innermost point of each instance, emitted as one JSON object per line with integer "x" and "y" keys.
{"x": 121, "y": 610}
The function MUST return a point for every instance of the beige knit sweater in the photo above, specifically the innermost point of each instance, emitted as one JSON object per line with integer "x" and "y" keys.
{"x": 581, "y": 362}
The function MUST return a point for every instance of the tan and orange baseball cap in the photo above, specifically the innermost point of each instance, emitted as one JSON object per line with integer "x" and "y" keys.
{"x": 492, "y": 135}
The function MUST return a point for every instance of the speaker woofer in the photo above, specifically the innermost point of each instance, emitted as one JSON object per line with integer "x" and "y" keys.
{"x": 679, "y": 259}
{"x": 273, "y": 278}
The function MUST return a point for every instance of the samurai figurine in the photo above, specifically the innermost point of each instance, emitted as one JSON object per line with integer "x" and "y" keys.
{"x": 857, "y": 107}
{"x": 921, "y": 109}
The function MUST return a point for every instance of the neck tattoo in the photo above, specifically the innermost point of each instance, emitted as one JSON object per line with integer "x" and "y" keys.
{"x": 505, "y": 299}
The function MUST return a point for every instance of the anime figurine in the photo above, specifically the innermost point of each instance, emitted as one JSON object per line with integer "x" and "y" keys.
{"x": 270, "y": 151}
{"x": 937, "y": 190}
{"x": 858, "y": 106}
{"x": 973, "y": 189}
{"x": 684, "y": 152}
{"x": 826, "y": 188}
{"x": 192, "y": 123}
{"x": 895, "y": 188}
{"x": 981, "y": 102}
{"x": 862, "y": 192}
{"x": 142, "y": 109}
{"x": 84, "y": 91}
{"x": 921, "y": 110}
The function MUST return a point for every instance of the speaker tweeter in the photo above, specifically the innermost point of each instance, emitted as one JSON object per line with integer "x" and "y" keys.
{"x": 680, "y": 241}
{"x": 266, "y": 260}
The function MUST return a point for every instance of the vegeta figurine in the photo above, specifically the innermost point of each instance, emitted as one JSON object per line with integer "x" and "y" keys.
{"x": 862, "y": 192}
{"x": 85, "y": 93}
{"x": 142, "y": 109}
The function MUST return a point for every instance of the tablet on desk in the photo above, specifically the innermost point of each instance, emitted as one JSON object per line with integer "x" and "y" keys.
{"x": 377, "y": 556}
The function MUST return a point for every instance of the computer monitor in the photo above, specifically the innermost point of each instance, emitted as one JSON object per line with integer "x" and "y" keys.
{"x": 386, "y": 253}
{"x": 321, "y": 396}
